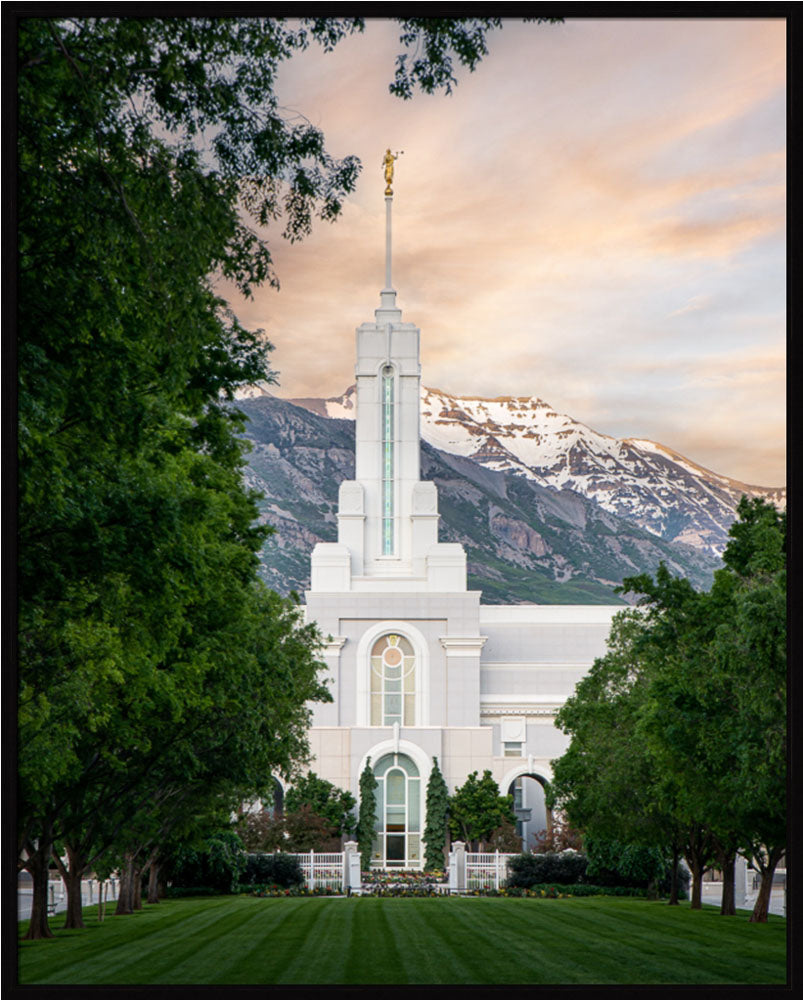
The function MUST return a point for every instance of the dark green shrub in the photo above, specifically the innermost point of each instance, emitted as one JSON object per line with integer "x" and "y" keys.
{"x": 179, "y": 891}
{"x": 611, "y": 862}
{"x": 272, "y": 869}
{"x": 567, "y": 868}
{"x": 217, "y": 866}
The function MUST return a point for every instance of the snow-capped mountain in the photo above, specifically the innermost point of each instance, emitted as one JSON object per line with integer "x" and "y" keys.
{"x": 642, "y": 481}
{"x": 524, "y": 542}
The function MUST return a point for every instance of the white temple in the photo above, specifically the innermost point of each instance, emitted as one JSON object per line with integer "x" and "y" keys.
{"x": 417, "y": 667}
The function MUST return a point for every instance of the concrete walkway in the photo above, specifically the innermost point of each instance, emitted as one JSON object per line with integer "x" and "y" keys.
{"x": 712, "y": 894}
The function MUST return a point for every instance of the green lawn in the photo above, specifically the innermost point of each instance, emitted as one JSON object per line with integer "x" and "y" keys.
{"x": 243, "y": 939}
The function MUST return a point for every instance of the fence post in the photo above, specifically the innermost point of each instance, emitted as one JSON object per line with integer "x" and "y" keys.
{"x": 352, "y": 877}
{"x": 312, "y": 869}
{"x": 460, "y": 865}
{"x": 740, "y": 882}
{"x": 497, "y": 869}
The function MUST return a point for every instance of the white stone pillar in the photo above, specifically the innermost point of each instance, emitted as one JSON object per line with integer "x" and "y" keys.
{"x": 388, "y": 203}
{"x": 352, "y": 877}
{"x": 327, "y": 713}
{"x": 740, "y": 883}
{"x": 463, "y": 678}
{"x": 459, "y": 854}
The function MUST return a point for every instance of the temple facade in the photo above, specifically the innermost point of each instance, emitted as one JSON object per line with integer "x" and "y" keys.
{"x": 417, "y": 666}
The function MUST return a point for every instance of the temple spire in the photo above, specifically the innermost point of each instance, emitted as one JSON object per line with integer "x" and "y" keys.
{"x": 388, "y": 293}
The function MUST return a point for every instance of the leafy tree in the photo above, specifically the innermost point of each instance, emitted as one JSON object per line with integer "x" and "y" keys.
{"x": 505, "y": 839}
{"x": 334, "y": 804}
{"x": 436, "y": 828}
{"x": 476, "y": 809}
{"x": 560, "y": 836}
{"x": 152, "y": 155}
{"x": 262, "y": 831}
{"x": 686, "y": 720}
{"x": 433, "y": 41}
{"x": 751, "y": 649}
{"x": 308, "y": 831}
{"x": 366, "y": 823}
{"x": 681, "y": 726}
{"x": 606, "y": 782}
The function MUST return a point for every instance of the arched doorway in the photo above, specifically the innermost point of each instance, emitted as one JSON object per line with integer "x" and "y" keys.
{"x": 529, "y": 805}
{"x": 398, "y": 812}
{"x": 276, "y": 808}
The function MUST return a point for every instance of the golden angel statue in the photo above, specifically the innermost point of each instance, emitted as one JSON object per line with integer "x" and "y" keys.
{"x": 387, "y": 163}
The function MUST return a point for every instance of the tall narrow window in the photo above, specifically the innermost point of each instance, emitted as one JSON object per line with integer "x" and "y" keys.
{"x": 392, "y": 682}
{"x": 397, "y": 839}
{"x": 387, "y": 460}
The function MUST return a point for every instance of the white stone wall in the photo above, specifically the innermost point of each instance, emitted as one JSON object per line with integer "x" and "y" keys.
{"x": 477, "y": 666}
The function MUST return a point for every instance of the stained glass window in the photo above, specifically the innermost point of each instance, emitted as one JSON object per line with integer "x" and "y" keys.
{"x": 392, "y": 681}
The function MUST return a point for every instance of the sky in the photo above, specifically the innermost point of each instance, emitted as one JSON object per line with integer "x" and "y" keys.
{"x": 595, "y": 216}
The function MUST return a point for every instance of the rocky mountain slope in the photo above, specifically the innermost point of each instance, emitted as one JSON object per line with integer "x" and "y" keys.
{"x": 643, "y": 482}
{"x": 525, "y": 541}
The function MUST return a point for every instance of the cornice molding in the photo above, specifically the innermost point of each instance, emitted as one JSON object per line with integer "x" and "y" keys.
{"x": 333, "y": 644}
{"x": 519, "y": 710}
{"x": 463, "y": 645}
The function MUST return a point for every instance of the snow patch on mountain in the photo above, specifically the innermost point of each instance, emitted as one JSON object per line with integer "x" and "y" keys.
{"x": 641, "y": 480}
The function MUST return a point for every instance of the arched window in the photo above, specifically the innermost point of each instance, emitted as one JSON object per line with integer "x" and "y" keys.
{"x": 398, "y": 812}
{"x": 393, "y": 676}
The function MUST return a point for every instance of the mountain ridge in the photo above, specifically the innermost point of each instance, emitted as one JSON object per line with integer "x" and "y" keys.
{"x": 525, "y": 542}
{"x": 644, "y": 481}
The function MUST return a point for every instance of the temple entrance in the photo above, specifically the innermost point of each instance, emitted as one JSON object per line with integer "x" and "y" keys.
{"x": 276, "y": 806}
{"x": 529, "y": 805}
{"x": 398, "y": 812}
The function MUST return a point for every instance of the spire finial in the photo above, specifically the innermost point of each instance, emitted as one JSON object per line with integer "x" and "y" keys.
{"x": 387, "y": 163}
{"x": 388, "y": 296}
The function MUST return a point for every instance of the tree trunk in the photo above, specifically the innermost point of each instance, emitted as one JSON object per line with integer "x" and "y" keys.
{"x": 75, "y": 914}
{"x": 101, "y": 888}
{"x": 698, "y": 853}
{"x": 673, "y": 884}
{"x": 72, "y": 877}
{"x": 37, "y": 864}
{"x": 697, "y": 872}
{"x": 126, "y": 891}
{"x": 153, "y": 883}
{"x": 728, "y": 906}
{"x": 136, "y": 889}
{"x": 762, "y": 904}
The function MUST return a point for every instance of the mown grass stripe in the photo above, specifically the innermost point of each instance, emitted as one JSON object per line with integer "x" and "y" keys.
{"x": 477, "y": 940}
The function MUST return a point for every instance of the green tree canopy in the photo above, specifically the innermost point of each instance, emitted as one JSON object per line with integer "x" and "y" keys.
{"x": 154, "y": 158}
{"x": 366, "y": 823}
{"x": 681, "y": 727}
{"x": 436, "y": 828}
{"x": 476, "y": 809}
{"x": 324, "y": 799}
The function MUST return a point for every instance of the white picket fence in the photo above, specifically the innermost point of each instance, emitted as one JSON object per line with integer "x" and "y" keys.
{"x": 322, "y": 870}
{"x": 486, "y": 870}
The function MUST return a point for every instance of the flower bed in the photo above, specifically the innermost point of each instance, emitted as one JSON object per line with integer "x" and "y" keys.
{"x": 419, "y": 884}
{"x": 379, "y": 882}
{"x": 554, "y": 891}
{"x": 278, "y": 891}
